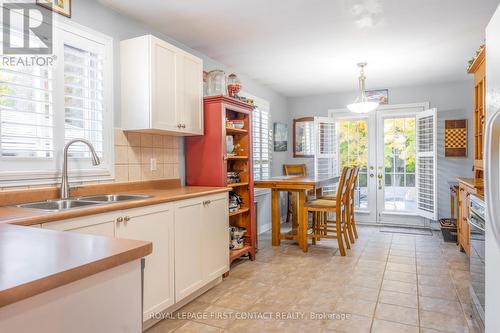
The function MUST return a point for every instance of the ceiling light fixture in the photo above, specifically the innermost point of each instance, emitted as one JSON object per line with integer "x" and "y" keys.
{"x": 362, "y": 104}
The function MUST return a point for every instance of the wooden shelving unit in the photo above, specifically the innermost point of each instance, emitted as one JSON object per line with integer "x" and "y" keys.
{"x": 239, "y": 211}
{"x": 231, "y": 130}
{"x": 237, "y": 184}
{"x": 238, "y": 157}
{"x": 478, "y": 69}
{"x": 207, "y": 161}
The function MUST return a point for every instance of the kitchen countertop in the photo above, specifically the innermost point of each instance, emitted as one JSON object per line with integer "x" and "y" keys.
{"x": 25, "y": 216}
{"x": 477, "y": 185}
{"x": 34, "y": 260}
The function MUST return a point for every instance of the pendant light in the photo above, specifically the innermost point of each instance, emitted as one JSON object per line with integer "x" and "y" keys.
{"x": 361, "y": 104}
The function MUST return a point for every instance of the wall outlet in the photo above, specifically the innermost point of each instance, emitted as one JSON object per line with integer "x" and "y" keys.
{"x": 153, "y": 164}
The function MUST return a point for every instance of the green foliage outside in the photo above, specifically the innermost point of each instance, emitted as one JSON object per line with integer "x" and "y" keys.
{"x": 399, "y": 146}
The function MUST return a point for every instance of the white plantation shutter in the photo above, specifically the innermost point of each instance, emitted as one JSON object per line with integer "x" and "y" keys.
{"x": 261, "y": 143}
{"x": 325, "y": 156}
{"x": 83, "y": 95}
{"x": 26, "y": 114}
{"x": 426, "y": 123}
{"x": 26, "y": 111}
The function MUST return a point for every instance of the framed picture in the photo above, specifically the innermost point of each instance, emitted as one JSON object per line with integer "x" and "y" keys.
{"x": 381, "y": 96}
{"x": 303, "y": 131}
{"x": 62, "y": 7}
{"x": 455, "y": 138}
{"x": 280, "y": 135}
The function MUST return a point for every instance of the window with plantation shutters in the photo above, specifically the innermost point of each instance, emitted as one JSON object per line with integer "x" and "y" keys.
{"x": 26, "y": 113}
{"x": 326, "y": 150}
{"x": 261, "y": 143}
{"x": 83, "y": 99}
{"x": 42, "y": 108}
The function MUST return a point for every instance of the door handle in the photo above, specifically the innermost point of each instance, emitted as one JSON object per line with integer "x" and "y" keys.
{"x": 380, "y": 176}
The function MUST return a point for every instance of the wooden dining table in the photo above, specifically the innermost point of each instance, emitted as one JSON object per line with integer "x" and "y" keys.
{"x": 301, "y": 185}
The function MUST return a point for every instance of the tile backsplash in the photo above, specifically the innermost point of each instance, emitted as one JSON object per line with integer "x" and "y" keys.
{"x": 134, "y": 152}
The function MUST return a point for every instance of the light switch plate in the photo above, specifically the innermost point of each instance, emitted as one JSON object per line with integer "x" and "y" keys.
{"x": 153, "y": 164}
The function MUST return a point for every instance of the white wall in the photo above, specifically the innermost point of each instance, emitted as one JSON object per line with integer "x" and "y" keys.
{"x": 453, "y": 100}
{"x": 94, "y": 15}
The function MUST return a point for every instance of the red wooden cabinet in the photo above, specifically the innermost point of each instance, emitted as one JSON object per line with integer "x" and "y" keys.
{"x": 207, "y": 161}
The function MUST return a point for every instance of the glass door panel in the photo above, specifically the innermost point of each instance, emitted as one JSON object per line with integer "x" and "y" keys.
{"x": 399, "y": 164}
{"x": 353, "y": 143}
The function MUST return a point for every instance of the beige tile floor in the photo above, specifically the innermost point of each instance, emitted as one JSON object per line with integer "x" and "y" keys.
{"x": 389, "y": 282}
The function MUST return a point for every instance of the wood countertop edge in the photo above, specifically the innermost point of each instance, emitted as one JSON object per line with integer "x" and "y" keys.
{"x": 45, "y": 217}
{"x": 38, "y": 286}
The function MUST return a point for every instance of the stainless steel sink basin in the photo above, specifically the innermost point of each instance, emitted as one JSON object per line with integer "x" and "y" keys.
{"x": 64, "y": 204}
{"x": 58, "y": 205}
{"x": 114, "y": 197}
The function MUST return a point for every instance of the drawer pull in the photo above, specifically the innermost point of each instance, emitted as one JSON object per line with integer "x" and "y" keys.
{"x": 126, "y": 218}
{"x": 206, "y": 202}
{"x": 119, "y": 219}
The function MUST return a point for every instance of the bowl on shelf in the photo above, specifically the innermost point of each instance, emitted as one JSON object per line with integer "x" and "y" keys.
{"x": 238, "y": 124}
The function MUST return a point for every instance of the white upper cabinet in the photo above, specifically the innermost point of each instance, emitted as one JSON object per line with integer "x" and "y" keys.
{"x": 161, "y": 87}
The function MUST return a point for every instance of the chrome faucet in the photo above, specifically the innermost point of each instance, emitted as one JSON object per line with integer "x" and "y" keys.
{"x": 64, "y": 178}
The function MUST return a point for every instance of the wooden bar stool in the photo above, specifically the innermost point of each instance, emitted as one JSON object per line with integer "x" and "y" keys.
{"x": 322, "y": 227}
{"x": 350, "y": 220}
{"x": 293, "y": 170}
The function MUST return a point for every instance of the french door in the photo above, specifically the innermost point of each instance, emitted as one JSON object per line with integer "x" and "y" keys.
{"x": 396, "y": 179}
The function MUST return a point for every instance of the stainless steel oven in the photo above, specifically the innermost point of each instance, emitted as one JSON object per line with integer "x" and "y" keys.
{"x": 476, "y": 220}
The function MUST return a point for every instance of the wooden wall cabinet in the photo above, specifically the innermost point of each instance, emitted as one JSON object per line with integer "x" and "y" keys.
{"x": 207, "y": 161}
{"x": 478, "y": 68}
{"x": 161, "y": 87}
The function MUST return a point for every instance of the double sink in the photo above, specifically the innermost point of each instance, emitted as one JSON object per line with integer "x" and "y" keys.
{"x": 73, "y": 203}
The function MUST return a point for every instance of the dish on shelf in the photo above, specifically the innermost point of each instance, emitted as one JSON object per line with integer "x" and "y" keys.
{"x": 238, "y": 124}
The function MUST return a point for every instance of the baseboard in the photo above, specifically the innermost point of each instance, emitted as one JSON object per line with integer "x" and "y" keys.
{"x": 265, "y": 228}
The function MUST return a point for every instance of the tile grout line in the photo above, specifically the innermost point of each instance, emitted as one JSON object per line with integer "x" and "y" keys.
{"x": 418, "y": 288}
{"x": 380, "y": 288}
{"x": 458, "y": 297}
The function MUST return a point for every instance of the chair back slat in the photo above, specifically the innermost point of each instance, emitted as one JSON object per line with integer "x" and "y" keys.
{"x": 349, "y": 186}
{"x": 294, "y": 169}
{"x": 343, "y": 184}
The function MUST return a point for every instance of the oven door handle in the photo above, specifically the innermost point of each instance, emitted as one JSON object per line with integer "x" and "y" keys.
{"x": 475, "y": 225}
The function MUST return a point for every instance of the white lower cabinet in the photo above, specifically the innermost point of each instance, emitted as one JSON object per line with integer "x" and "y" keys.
{"x": 188, "y": 248}
{"x": 201, "y": 243}
{"x": 190, "y": 244}
{"x": 215, "y": 249}
{"x": 154, "y": 224}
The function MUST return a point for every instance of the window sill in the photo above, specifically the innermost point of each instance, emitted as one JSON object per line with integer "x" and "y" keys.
{"x": 37, "y": 179}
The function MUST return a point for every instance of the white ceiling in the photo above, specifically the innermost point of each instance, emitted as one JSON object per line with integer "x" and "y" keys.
{"x": 302, "y": 47}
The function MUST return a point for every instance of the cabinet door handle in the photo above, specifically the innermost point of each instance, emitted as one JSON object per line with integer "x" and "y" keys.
{"x": 126, "y": 218}
{"x": 206, "y": 202}
{"x": 119, "y": 219}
